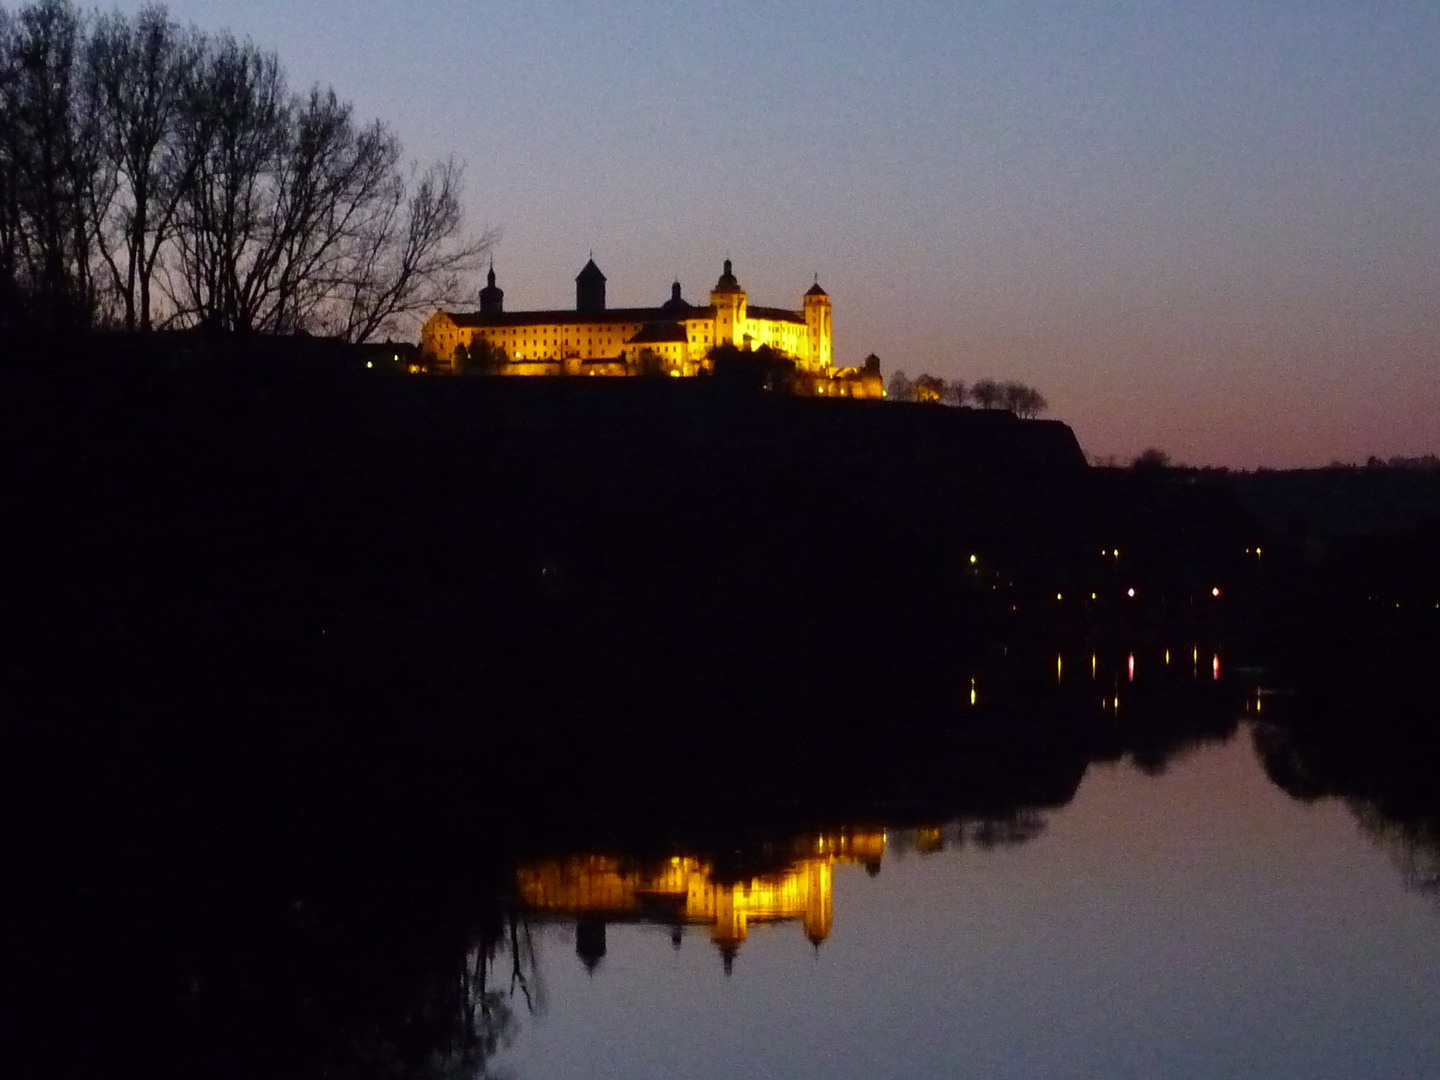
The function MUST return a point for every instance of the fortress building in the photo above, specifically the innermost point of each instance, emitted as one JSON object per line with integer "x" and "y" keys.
{"x": 674, "y": 338}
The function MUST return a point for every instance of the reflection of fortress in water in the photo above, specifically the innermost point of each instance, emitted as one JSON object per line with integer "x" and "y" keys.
{"x": 596, "y": 890}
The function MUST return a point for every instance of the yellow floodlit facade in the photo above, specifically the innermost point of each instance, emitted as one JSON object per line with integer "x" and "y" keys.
{"x": 674, "y": 338}
{"x": 685, "y": 892}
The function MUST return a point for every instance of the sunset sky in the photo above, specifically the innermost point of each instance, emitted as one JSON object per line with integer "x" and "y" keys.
{"x": 1213, "y": 228}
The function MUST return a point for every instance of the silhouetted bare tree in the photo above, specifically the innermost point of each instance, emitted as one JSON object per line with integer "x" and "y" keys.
{"x": 233, "y": 131}
{"x": 163, "y": 176}
{"x": 301, "y": 219}
{"x": 418, "y": 259}
{"x": 139, "y": 80}
{"x": 1024, "y": 401}
{"x": 47, "y": 156}
{"x": 988, "y": 394}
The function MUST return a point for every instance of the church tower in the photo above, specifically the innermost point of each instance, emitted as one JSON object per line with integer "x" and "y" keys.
{"x": 817, "y": 327}
{"x": 728, "y": 300}
{"x": 590, "y": 289}
{"x": 492, "y": 298}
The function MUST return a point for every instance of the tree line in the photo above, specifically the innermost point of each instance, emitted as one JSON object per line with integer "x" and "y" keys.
{"x": 155, "y": 176}
{"x": 1024, "y": 401}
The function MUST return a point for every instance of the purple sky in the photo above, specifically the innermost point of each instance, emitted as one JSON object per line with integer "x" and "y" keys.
{"x": 1212, "y": 228}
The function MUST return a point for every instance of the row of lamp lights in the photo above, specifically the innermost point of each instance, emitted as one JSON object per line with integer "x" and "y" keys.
{"x": 1129, "y": 592}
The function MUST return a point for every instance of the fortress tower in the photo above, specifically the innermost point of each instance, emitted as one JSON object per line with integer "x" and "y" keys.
{"x": 817, "y": 327}
{"x": 590, "y": 289}
{"x": 728, "y": 300}
{"x": 492, "y": 297}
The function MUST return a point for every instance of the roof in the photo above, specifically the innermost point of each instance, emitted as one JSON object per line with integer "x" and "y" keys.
{"x": 657, "y": 333}
{"x": 774, "y": 314}
{"x": 589, "y": 271}
{"x": 568, "y": 316}
{"x": 816, "y": 290}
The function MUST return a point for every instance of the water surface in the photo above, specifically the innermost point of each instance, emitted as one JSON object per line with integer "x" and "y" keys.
{"x": 1196, "y": 923}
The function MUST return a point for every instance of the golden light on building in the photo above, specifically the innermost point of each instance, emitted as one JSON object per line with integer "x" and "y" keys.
{"x": 684, "y": 891}
{"x": 674, "y": 338}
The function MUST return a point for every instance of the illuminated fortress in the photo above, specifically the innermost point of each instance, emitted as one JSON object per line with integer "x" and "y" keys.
{"x": 673, "y": 339}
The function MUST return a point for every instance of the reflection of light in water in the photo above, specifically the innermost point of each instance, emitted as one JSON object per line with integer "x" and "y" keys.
{"x": 1094, "y": 660}
{"x": 1167, "y": 657}
{"x": 684, "y": 891}
{"x": 1131, "y": 666}
{"x": 1117, "y": 703}
{"x": 974, "y": 694}
{"x": 1215, "y": 665}
{"x": 1059, "y": 668}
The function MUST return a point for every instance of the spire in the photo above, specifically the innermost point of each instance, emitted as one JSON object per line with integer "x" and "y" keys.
{"x": 492, "y": 298}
